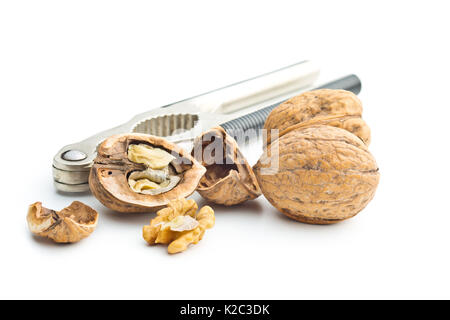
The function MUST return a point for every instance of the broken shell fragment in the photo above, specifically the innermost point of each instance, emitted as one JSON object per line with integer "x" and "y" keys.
{"x": 229, "y": 179}
{"x": 179, "y": 225}
{"x": 142, "y": 173}
{"x": 69, "y": 225}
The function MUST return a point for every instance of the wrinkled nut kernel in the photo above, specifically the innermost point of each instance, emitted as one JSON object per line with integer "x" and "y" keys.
{"x": 229, "y": 180}
{"x": 159, "y": 177}
{"x": 142, "y": 173}
{"x": 324, "y": 175}
{"x": 179, "y": 225}
{"x": 155, "y": 158}
{"x": 69, "y": 225}
{"x": 337, "y": 108}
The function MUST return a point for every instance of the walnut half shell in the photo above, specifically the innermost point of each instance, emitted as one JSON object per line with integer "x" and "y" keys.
{"x": 229, "y": 180}
{"x": 69, "y": 225}
{"x": 113, "y": 175}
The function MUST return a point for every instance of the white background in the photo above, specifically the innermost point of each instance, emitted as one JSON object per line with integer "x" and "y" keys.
{"x": 69, "y": 69}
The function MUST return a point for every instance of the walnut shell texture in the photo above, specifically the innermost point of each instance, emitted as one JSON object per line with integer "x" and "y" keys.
{"x": 108, "y": 179}
{"x": 69, "y": 225}
{"x": 231, "y": 181}
{"x": 337, "y": 108}
{"x": 325, "y": 175}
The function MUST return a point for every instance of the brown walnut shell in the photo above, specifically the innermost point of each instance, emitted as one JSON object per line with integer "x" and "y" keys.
{"x": 230, "y": 180}
{"x": 325, "y": 175}
{"x": 69, "y": 225}
{"x": 108, "y": 179}
{"x": 337, "y": 108}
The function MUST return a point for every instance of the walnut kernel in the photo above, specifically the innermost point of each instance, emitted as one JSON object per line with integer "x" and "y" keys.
{"x": 179, "y": 225}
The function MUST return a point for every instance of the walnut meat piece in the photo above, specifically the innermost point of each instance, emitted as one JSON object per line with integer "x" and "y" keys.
{"x": 179, "y": 225}
{"x": 159, "y": 176}
{"x": 337, "y": 108}
{"x": 325, "y": 175}
{"x": 229, "y": 180}
{"x": 69, "y": 225}
{"x": 155, "y": 158}
{"x": 142, "y": 173}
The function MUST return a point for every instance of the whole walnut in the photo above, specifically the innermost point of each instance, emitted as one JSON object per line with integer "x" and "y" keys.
{"x": 337, "y": 108}
{"x": 318, "y": 174}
